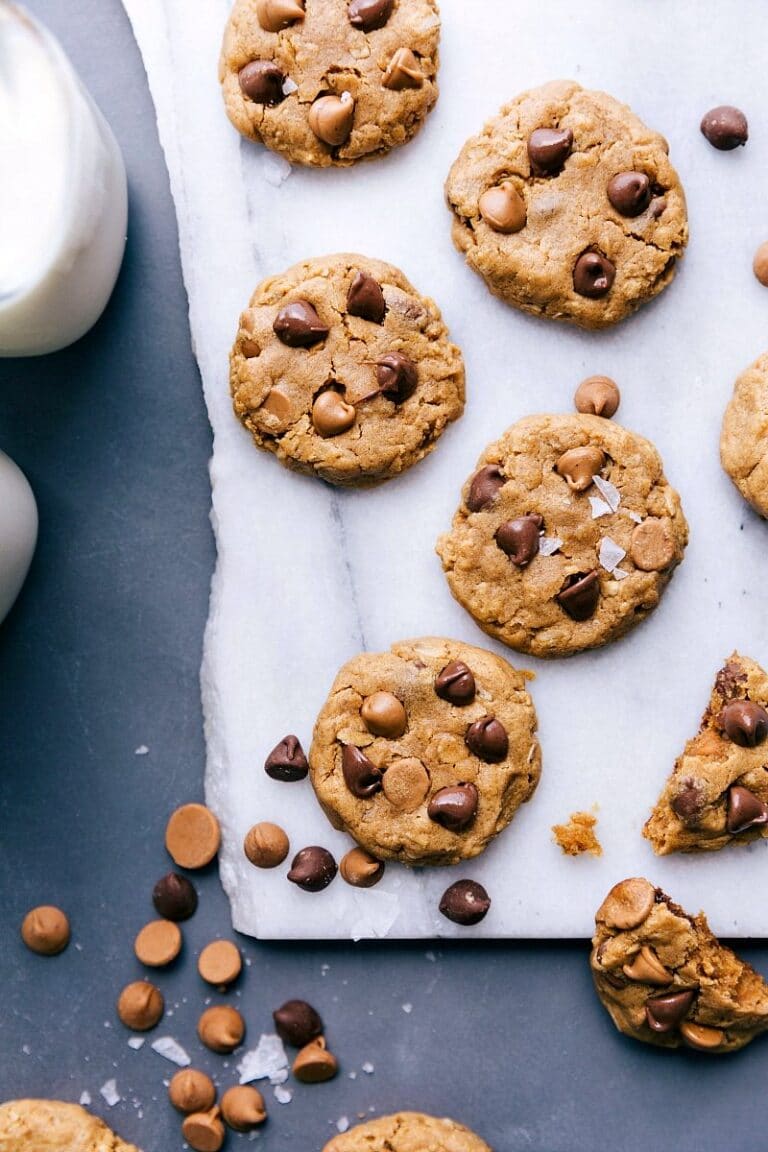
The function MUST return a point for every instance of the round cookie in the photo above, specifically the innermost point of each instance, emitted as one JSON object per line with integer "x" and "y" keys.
{"x": 408, "y": 1132}
{"x": 330, "y": 82}
{"x": 566, "y": 535}
{"x": 344, "y": 371}
{"x": 52, "y": 1126}
{"x": 568, "y": 206}
{"x": 424, "y": 753}
{"x": 744, "y": 438}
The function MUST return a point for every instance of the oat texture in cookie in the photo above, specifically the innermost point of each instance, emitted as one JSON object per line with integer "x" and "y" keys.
{"x": 718, "y": 791}
{"x": 744, "y": 438}
{"x": 52, "y": 1126}
{"x": 665, "y": 979}
{"x": 568, "y": 206}
{"x": 408, "y": 1132}
{"x": 330, "y": 82}
{"x": 566, "y": 535}
{"x": 344, "y": 371}
{"x": 424, "y": 753}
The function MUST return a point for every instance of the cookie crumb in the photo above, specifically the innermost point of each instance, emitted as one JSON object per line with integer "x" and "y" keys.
{"x": 578, "y": 835}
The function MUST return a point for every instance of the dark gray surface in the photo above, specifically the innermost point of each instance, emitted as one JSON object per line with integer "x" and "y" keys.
{"x": 101, "y": 655}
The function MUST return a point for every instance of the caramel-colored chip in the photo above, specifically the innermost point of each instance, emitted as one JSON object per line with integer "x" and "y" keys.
{"x": 598, "y": 396}
{"x": 140, "y": 1006}
{"x": 221, "y": 1028}
{"x": 266, "y": 845}
{"x": 192, "y": 1091}
{"x": 646, "y": 968}
{"x": 384, "y": 715}
{"x": 204, "y": 1131}
{"x": 315, "y": 1063}
{"x": 577, "y": 466}
{"x": 697, "y": 1036}
{"x": 158, "y": 943}
{"x": 278, "y": 405}
{"x": 406, "y": 784}
{"x": 220, "y": 963}
{"x": 760, "y": 264}
{"x": 627, "y": 904}
{"x": 653, "y": 546}
{"x": 45, "y": 930}
{"x": 360, "y": 869}
{"x": 193, "y": 836}
{"x": 243, "y": 1108}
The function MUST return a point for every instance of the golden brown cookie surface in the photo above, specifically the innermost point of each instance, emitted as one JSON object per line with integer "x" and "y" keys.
{"x": 52, "y": 1126}
{"x": 744, "y": 438}
{"x": 408, "y": 1132}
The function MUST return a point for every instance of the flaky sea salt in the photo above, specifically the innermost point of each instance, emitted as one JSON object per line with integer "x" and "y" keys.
{"x": 620, "y": 574}
{"x": 142, "y": 750}
{"x": 167, "y": 1047}
{"x": 275, "y": 169}
{"x": 548, "y": 545}
{"x": 599, "y": 507}
{"x": 636, "y": 517}
{"x": 267, "y": 1061}
{"x": 368, "y": 1068}
{"x": 85, "y": 1099}
{"x": 289, "y": 86}
{"x": 608, "y": 491}
{"x": 407, "y": 1008}
{"x": 136, "y": 1042}
{"x": 610, "y": 554}
{"x": 342, "y": 1124}
{"x": 283, "y": 1095}
{"x": 110, "y": 1093}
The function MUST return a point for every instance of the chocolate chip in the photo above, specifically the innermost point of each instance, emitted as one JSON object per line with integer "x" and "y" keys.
{"x": 174, "y": 897}
{"x": 287, "y": 761}
{"x": 688, "y": 803}
{"x": 488, "y": 740}
{"x": 299, "y": 326}
{"x": 519, "y": 539}
{"x": 366, "y": 299}
{"x": 579, "y": 595}
{"x": 397, "y": 376}
{"x": 745, "y": 723}
{"x": 666, "y": 1013}
{"x": 297, "y": 1022}
{"x": 745, "y": 810}
{"x": 548, "y": 149}
{"x": 454, "y": 807}
{"x": 262, "y": 81}
{"x": 485, "y": 487}
{"x": 367, "y": 15}
{"x": 725, "y": 127}
{"x": 455, "y": 683}
{"x": 630, "y": 193}
{"x": 361, "y": 776}
{"x": 465, "y": 903}
{"x": 593, "y": 275}
{"x": 312, "y": 869}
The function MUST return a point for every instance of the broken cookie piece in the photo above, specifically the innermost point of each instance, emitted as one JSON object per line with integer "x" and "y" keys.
{"x": 578, "y": 835}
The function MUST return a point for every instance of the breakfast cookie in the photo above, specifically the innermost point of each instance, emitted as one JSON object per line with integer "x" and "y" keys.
{"x": 52, "y": 1126}
{"x": 344, "y": 371}
{"x": 330, "y": 82}
{"x": 568, "y": 206}
{"x": 424, "y": 753}
{"x": 566, "y": 536}
{"x": 744, "y": 438}
{"x": 718, "y": 791}
{"x": 666, "y": 980}
{"x": 408, "y": 1132}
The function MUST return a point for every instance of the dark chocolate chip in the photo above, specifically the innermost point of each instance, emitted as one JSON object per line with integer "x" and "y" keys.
{"x": 593, "y": 275}
{"x": 689, "y": 803}
{"x": 725, "y": 127}
{"x": 455, "y": 683}
{"x": 297, "y": 1023}
{"x": 666, "y": 1013}
{"x": 548, "y": 149}
{"x": 366, "y": 299}
{"x": 287, "y": 761}
{"x": 485, "y": 487}
{"x": 262, "y": 81}
{"x": 174, "y": 897}
{"x": 488, "y": 740}
{"x": 519, "y": 539}
{"x": 745, "y": 723}
{"x": 367, "y": 15}
{"x": 299, "y": 326}
{"x": 465, "y": 903}
{"x": 397, "y": 376}
{"x": 580, "y": 594}
{"x": 630, "y": 193}
{"x": 454, "y": 807}
{"x": 312, "y": 869}
{"x": 361, "y": 776}
{"x": 745, "y": 810}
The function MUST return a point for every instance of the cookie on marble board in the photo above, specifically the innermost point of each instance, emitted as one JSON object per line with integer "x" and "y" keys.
{"x": 424, "y": 754}
{"x": 666, "y": 979}
{"x": 53, "y": 1126}
{"x": 344, "y": 371}
{"x": 717, "y": 793}
{"x": 330, "y": 82}
{"x": 568, "y": 206}
{"x": 408, "y": 1132}
{"x": 744, "y": 437}
{"x": 566, "y": 536}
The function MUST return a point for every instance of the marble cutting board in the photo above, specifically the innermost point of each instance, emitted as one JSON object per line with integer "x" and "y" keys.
{"x": 307, "y": 576}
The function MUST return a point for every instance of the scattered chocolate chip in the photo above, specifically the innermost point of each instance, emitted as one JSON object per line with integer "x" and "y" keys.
{"x": 485, "y": 487}
{"x": 598, "y": 396}
{"x": 45, "y": 930}
{"x": 331, "y": 118}
{"x": 397, "y": 376}
{"x": 331, "y": 415}
{"x": 275, "y": 15}
{"x": 368, "y": 15}
{"x": 548, "y": 150}
{"x": 487, "y": 739}
{"x": 243, "y": 1108}
{"x": 630, "y": 193}
{"x": 725, "y": 128}
{"x": 360, "y": 869}
{"x": 760, "y": 264}
{"x": 503, "y": 208}
{"x": 287, "y": 761}
{"x": 403, "y": 71}
{"x": 262, "y": 81}
{"x": 366, "y": 299}
{"x": 298, "y": 325}
{"x": 191, "y": 1091}
{"x": 221, "y": 1028}
{"x": 204, "y": 1131}
{"x": 745, "y": 723}
{"x": 593, "y": 275}
{"x": 175, "y": 897}
{"x": 384, "y": 715}
{"x": 666, "y": 1013}
{"x": 465, "y": 902}
{"x": 519, "y": 539}
{"x": 192, "y": 836}
{"x": 297, "y": 1023}
{"x": 688, "y": 803}
{"x": 745, "y": 810}
{"x": 314, "y": 1063}
{"x": 579, "y": 595}
{"x": 456, "y": 683}
{"x": 454, "y": 807}
{"x": 313, "y": 869}
{"x": 361, "y": 776}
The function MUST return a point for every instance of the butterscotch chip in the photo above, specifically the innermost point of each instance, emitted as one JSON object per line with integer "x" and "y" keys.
{"x": 158, "y": 943}
{"x": 192, "y": 1091}
{"x": 204, "y": 1131}
{"x": 266, "y": 845}
{"x": 653, "y": 545}
{"x": 221, "y": 1028}
{"x": 360, "y": 869}
{"x": 220, "y": 963}
{"x": 140, "y": 1006}
{"x": 193, "y": 836}
{"x": 760, "y": 264}
{"x": 45, "y": 930}
{"x": 314, "y": 1064}
{"x": 627, "y": 904}
{"x": 406, "y": 784}
{"x": 243, "y": 1108}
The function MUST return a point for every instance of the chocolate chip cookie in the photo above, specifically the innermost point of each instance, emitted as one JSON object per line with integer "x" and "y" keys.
{"x": 424, "y": 753}
{"x": 52, "y": 1126}
{"x": 744, "y": 438}
{"x": 666, "y": 980}
{"x": 344, "y": 371}
{"x": 568, "y": 206}
{"x": 408, "y": 1132}
{"x": 330, "y": 82}
{"x": 566, "y": 535}
{"x": 718, "y": 791}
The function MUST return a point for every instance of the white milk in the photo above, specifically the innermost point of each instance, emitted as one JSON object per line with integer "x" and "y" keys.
{"x": 18, "y": 531}
{"x": 63, "y": 195}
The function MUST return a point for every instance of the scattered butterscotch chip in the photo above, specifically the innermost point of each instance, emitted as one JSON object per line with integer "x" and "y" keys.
{"x": 578, "y": 835}
{"x": 297, "y": 1023}
{"x": 760, "y": 264}
{"x": 243, "y": 1108}
{"x": 140, "y": 1006}
{"x": 158, "y": 943}
{"x": 192, "y": 1091}
{"x": 360, "y": 869}
{"x": 266, "y": 845}
{"x": 192, "y": 836}
{"x": 45, "y": 930}
{"x": 314, "y": 1063}
{"x": 221, "y": 1028}
{"x": 204, "y": 1131}
{"x": 598, "y": 396}
{"x": 220, "y": 963}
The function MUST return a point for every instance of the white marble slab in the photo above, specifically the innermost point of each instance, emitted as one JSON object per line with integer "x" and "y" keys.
{"x": 307, "y": 576}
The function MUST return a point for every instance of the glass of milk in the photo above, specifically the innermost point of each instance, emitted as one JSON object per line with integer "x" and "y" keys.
{"x": 63, "y": 195}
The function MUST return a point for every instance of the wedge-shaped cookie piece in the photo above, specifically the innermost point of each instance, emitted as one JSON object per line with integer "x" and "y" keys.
{"x": 718, "y": 791}
{"x": 666, "y": 980}
{"x": 52, "y": 1126}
